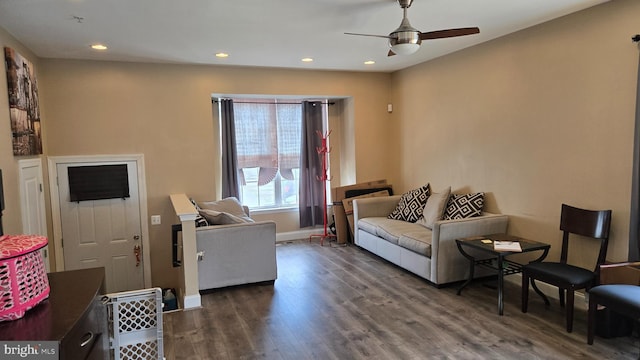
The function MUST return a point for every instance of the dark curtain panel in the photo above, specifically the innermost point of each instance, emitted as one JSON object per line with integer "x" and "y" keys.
{"x": 230, "y": 181}
{"x": 311, "y": 189}
{"x": 634, "y": 226}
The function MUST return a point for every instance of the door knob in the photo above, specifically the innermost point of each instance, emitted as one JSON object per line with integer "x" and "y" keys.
{"x": 136, "y": 237}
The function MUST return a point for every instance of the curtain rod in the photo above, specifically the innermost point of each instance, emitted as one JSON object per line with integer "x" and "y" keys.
{"x": 276, "y": 103}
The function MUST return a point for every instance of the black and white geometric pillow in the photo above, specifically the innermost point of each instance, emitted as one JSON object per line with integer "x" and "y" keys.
{"x": 464, "y": 206}
{"x": 411, "y": 205}
{"x": 200, "y": 220}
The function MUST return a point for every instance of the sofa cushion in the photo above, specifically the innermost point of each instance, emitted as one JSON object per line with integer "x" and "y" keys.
{"x": 392, "y": 230}
{"x": 223, "y": 218}
{"x": 434, "y": 209}
{"x": 418, "y": 241}
{"x": 411, "y": 205}
{"x": 462, "y": 206}
{"x": 369, "y": 224}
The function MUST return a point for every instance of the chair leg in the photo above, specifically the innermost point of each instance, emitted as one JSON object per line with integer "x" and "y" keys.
{"x": 525, "y": 292}
{"x": 569, "y": 310}
{"x": 561, "y": 296}
{"x": 591, "y": 318}
{"x": 539, "y": 292}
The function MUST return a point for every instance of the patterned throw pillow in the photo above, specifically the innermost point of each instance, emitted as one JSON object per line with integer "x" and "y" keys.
{"x": 411, "y": 205}
{"x": 464, "y": 206}
{"x": 200, "y": 220}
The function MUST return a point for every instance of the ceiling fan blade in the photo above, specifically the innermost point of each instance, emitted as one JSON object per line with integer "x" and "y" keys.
{"x": 380, "y": 36}
{"x": 390, "y": 53}
{"x": 439, "y": 34}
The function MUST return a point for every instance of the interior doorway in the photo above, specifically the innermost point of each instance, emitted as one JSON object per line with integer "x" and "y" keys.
{"x": 105, "y": 232}
{"x": 32, "y": 205}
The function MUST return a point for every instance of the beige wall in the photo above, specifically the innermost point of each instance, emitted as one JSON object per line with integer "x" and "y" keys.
{"x": 165, "y": 113}
{"x": 534, "y": 119}
{"x": 538, "y": 118}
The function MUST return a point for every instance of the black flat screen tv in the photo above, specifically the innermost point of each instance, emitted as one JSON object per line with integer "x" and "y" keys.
{"x": 98, "y": 182}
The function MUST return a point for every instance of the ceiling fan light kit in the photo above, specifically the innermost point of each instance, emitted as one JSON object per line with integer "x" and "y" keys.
{"x": 406, "y": 40}
{"x": 404, "y": 49}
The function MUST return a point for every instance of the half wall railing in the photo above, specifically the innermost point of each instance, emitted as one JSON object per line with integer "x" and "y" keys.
{"x": 188, "y": 293}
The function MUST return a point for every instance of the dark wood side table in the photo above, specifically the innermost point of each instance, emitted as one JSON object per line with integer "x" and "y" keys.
{"x": 497, "y": 260}
{"x": 73, "y": 316}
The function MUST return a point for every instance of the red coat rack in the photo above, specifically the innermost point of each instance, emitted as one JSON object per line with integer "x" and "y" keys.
{"x": 323, "y": 150}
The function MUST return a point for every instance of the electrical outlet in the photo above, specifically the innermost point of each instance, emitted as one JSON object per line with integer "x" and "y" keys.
{"x": 155, "y": 220}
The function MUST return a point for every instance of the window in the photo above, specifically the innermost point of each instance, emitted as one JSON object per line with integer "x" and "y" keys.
{"x": 280, "y": 192}
{"x": 268, "y": 142}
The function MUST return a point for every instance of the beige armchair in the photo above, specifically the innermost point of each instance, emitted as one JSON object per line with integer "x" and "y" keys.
{"x": 236, "y": 254}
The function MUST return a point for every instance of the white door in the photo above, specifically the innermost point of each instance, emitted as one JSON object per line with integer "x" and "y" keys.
{"x": 32, "y": 201}
{"x": 105, "y": 233}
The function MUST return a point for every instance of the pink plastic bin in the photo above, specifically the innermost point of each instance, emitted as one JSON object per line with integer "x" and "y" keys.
{"x": 23, "y": 278}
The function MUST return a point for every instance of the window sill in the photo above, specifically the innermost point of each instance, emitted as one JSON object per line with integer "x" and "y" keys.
{"x": 273, "y": 210}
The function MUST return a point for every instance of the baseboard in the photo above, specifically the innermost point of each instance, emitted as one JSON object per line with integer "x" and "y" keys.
{"x": 580, "y": 299}
{"x": 297, "y": 235}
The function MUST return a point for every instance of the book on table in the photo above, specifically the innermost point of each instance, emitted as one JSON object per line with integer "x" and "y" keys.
{"x": 507, "y": 246}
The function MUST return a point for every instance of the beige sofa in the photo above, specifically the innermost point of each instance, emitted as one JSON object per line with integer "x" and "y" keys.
{"x": 236, "y": 253}
{"x": 430, "y": 254}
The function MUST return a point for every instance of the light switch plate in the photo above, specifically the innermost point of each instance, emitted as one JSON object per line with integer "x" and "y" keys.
{"x": 155, "y": 220}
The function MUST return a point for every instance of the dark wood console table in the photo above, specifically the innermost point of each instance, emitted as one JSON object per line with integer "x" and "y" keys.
{"x": 73, "y": 316}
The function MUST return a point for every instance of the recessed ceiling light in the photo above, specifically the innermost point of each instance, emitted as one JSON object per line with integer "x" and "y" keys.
{"x": 307, "y": 60}
{"x": 369, "y": 62}
{"x": 98, "y": 47}
{"x": 222, "y": 55}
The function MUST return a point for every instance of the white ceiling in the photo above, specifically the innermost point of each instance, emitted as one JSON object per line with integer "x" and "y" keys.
{"x": 272, "y": 33}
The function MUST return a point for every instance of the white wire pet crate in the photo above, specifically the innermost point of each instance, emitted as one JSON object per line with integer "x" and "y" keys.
{"x": 135, "y": 324}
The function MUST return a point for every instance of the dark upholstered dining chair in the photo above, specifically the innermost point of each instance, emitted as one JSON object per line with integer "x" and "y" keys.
{"x": 568, "y": 278}
{"x": 619, "y": 292}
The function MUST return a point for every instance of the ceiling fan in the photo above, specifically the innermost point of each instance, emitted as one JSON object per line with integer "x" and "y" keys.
{"x": 406, "y": 40}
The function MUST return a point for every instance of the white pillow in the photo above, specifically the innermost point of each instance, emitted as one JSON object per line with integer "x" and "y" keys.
{"x": 434, "y": 209}
{"x": 223, "y": 218}
{"x": 229, "y": 205}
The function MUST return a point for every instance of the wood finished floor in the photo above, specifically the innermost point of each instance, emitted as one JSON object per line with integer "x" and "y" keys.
{"x": 344, "y": 303}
